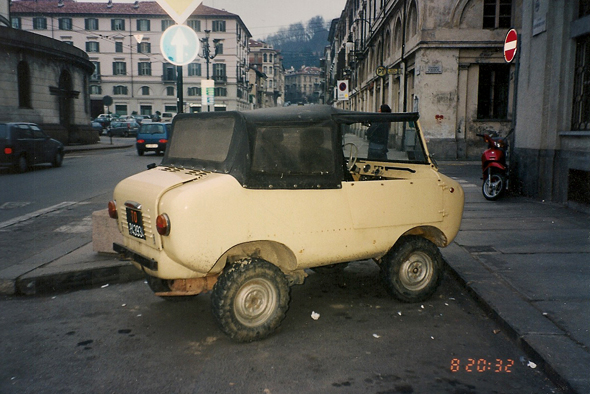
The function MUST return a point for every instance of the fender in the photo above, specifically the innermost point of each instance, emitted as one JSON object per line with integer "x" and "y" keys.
{"x": 494, "y": 164}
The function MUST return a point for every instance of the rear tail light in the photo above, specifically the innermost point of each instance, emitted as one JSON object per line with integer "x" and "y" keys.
{"x": 140, "y": 141}
{"x": 113, "y": 210}
{"x": 163, "y": 141}
{"x": 163, "y": 224}
{"x": 8, "y": 151}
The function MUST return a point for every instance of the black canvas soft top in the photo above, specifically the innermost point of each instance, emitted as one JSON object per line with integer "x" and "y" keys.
{"x": 228, "y": 142}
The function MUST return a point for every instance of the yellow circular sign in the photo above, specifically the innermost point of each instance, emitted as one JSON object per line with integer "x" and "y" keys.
{"x": 381, "y": 71}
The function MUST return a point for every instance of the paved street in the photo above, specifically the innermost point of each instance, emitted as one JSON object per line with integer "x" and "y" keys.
{"x": 363, "y": 341}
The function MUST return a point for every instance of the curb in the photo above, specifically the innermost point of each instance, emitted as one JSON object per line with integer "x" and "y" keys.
{"x": 85, "y": 148}
{"x": 121, "y": 272}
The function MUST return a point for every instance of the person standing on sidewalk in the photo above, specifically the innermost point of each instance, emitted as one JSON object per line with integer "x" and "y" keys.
{"x": 378, "y": 135}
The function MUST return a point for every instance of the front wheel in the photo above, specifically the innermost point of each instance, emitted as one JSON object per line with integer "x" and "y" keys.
{"x": 250, "y": 300}
{"x": 494, "y": 186}
{"x": 412, "y": 270}
{"x": 58, "y": 159}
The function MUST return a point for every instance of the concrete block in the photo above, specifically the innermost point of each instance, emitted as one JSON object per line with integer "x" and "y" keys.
{"x": 104, "y": 232}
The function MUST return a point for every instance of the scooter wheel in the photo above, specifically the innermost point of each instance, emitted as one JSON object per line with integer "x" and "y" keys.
{"x": 494, "y": 186}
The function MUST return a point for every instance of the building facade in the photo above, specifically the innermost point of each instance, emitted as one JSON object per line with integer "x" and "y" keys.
{"x": 122, "y": 40}
{"x": 303, "y": 86}
{"x": 44, "y": 81}
{"x": 552, "y": 134}
{"x": 441, "y": 58}
{"x": 267, "y": 60}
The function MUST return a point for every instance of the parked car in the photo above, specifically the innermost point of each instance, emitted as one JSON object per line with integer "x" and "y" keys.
{"x": 125, "y": 129}
{"x": 152, "y": 137}
{"x": 244, "y": 202}
{"x": 25, "y": 144}
{"x": 104, "y": 120}
{"x": 97, "y": 126}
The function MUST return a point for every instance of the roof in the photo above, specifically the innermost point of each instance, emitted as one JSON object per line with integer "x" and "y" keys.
{"x": 138, "y": 9}
{"x": 74, "y": 7}
{"x": 320, "y": 113}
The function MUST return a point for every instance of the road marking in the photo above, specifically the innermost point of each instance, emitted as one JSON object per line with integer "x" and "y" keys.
{"x": 81, "y": 226}
{"x": 36, "y": 213}
{"x": 14, "y": 204}
{"x": 464, "y": 183}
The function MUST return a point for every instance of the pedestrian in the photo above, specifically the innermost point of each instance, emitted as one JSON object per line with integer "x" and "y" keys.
{"x": 378, "y": 134}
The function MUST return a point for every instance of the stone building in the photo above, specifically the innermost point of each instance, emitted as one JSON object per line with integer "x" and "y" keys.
{"x": 123, "y": 42}
{"x": 303, "y": 86}
{"x": 552, "y": 135}
{"x": 442, "y": 58}
{"x": 44, "y": 81}
{"x": 267, "y": 60}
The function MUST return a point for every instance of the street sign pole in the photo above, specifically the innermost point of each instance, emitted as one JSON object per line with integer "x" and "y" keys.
{"x": 512, "y": 53}
{"x": 179, "y": 91}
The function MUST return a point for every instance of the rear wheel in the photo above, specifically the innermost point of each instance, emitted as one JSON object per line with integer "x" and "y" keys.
{"x": 140, "y": 152}
{"x": 412, "y": 269}
{"x": 22, "y": 164}
{"x": 494, "y": 185}
{"x": 250, "y": 300}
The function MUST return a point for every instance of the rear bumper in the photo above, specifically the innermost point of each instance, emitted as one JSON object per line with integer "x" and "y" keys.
{"x": 140, "y": 259}
{"x": 161, "y": 147}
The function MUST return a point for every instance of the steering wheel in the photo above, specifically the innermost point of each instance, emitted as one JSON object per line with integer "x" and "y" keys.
{"x": 352, "y": 156}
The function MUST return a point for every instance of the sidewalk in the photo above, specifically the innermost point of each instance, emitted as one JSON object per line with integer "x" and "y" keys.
{"x": 104, "y": 143}
{"x": 528, "y": 265}
{"x": 526, "y": 262}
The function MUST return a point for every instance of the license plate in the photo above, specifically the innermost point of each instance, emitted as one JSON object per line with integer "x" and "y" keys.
{"x": 135, "y": 223}
{"x": 151, "y": 145}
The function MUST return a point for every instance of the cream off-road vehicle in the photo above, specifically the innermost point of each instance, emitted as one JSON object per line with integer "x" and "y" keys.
{"x": 244, "y": 202}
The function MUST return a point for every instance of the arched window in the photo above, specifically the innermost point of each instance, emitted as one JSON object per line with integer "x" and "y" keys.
{"x": 387, "y": 44}
{"x": 412, "y": 20}
{"x": 24, "y": 85}
{"x": 397, "y": 36}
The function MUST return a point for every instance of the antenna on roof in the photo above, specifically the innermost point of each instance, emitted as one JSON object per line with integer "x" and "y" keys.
{"x": 136, "y": 4}
{"x": 110, "y": 4}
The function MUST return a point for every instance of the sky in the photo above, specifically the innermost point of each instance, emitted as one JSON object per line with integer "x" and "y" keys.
{"x": 264, "y": 17}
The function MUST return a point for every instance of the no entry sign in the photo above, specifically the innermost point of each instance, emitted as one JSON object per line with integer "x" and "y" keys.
{"x": 510, "y": 45}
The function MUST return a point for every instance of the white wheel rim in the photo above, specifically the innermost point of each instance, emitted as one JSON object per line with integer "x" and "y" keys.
{"x": 255, "y": 302}
{"x": 416, "y": 272}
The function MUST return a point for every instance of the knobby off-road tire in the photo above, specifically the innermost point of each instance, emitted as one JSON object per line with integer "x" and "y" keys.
{"x": 250, "y": 300}
{"x": 412, "y": 270}
{"x": 493, "y": 187}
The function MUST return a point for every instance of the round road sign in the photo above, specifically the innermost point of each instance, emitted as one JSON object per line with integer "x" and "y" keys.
{"x": 180, "y": 45}
{"x": 510, "y": 44}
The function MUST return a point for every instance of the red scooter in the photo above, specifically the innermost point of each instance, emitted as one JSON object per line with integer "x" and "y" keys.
{"x": 495, "y": 169}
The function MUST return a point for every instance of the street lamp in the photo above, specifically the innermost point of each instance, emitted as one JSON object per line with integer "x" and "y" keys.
{"x": 207, "y": 53}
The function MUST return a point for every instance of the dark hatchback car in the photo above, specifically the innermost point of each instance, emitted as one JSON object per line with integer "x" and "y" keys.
{"x": 152, "y": 137}
{"x": 124, "y": 129}
{"x": 25, "y": 144}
